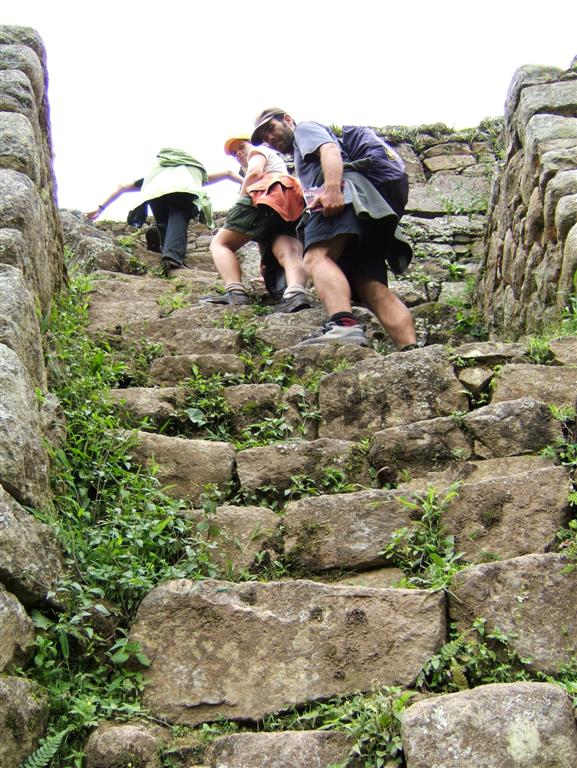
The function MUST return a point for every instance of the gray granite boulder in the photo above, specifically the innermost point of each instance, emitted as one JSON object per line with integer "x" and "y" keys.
{"x": 276, "y": 464}
{"x": 123, "y": 745}
{"x": 343, "y": 530}
{"x": 552, "y": 385}
{"x": 512, "y": 427}
{"x": 23, "y": 459}
{"x": 16, "y": 632}
{"x": 19, "y": 326}
{"x": 417, "y": 448}
{"x": 513, "y": 725}
{"x": 30, "y": 564}
{"x": 23, "y": 717}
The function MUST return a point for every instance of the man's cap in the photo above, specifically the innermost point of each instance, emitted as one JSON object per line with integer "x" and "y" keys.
{"x": 229, "y": 143}
{"x": 265, "y": 117}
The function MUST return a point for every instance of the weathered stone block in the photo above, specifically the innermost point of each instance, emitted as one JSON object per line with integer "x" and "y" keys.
{"x": 517, "y": 725}
{"x": 509, "y": 514}
{"x": 23, "y": 716}
{"x": 417, "y": 448}
{"x": 156, "y": 404}
{"x": 186, "y": 466}
{"x": 239, "y": 535}
{"x": 252, "y": 402}
{"x": 211, "y": 644}
{"x": 173, "y": 369}
{"x": 125, "y": 744}
{"x": 16, "y": 632}
{"x": 552, "y": 385}
{"x": 400, "y": 388}
{"x": 23, "y": 459}
{"x": 288, "y": 749}
{"x": 16, "y": 95}
{"x": 18, "y": 149}
{"x": 512, "y": 427}
{"x": 30, "y": 564}
{"x": 19, "y": 327}
{"x": 276, "y": 464}
{"x": 17, "y": 56}
{"x": 344, "y": 530}
{"x": 514, "y": 596}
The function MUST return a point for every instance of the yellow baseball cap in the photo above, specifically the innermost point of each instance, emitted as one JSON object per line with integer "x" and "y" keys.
{"x": 229, "y": 143}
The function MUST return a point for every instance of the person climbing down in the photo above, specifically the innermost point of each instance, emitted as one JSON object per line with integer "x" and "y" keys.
{"x": 173, "y": 190}
{"x": 269, "y": 205}
{"x": 346, "y": 250}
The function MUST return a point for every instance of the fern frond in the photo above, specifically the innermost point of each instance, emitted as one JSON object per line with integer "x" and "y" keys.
{"x": 41, "y": 757}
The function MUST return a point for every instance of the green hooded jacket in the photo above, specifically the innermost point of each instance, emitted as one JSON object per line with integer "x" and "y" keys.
{"x": 177, "y": 171}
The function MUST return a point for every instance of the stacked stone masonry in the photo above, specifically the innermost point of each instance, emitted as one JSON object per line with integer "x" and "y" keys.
{"x": 31, "y": 273}
{"x": 531, "y": 260}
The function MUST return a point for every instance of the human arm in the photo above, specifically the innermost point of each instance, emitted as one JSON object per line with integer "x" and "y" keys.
{"x": 224, "y": 176}
{"x": 92, "y": 215}
{"x": 254, "y": 171}
{"x": 331, "y": 199}
{"x": 317, "y": 152}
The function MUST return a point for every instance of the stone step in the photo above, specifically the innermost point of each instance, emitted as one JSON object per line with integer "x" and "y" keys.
{"x": 245, "y": 651}
{"x": 540, "y": 729}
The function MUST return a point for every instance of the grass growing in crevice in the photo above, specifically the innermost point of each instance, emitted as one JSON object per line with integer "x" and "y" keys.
{"x": 120, "y": 536}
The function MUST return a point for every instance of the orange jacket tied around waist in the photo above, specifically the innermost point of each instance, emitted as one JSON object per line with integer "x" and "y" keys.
{"x": 281, "y": 192}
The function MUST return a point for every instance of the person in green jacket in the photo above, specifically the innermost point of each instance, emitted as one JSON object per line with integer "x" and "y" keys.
{"x": 173, "y": 189}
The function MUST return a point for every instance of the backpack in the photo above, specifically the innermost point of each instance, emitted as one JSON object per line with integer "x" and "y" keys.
{"x": 377, "y": 161}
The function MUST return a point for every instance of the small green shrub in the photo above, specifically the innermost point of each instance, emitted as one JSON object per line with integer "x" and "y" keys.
{"x": 425, "y": 553}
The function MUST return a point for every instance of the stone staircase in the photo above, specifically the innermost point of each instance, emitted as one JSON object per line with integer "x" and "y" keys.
{"x": 302, "y": 467}
{"x": 303, "y": 608}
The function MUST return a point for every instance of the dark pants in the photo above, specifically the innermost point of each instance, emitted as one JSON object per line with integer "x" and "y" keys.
{"x": 172, "y": 213}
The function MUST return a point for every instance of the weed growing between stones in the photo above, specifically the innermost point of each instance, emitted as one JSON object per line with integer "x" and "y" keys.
{"x": 426, "y": 553}
{"x": 470, "y": 658}
{"x": 120, "y": 536}
{"x": 469, "y": 322}
{"x": 479, "y": 656}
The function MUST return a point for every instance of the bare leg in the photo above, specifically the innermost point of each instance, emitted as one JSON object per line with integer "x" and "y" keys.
{"x": 288, "y": 251}
{"x": 223, "y": 249}
{"x": 392, "y": 313}
{"x": 329, "y": 280}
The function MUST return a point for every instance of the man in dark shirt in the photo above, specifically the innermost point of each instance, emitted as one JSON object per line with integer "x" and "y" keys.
{"x": 344, "y": 252}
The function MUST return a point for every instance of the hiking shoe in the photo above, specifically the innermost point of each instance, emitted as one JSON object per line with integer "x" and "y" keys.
{"x": 153, "y": 243}
{"x": 342, "y": 334}
{"x": 239, "y": 298}
{"x": 293, "y": 304}
{"x": 168, "y": 265}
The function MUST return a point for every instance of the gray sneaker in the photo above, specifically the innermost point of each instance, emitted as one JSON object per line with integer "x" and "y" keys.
{"x": 230, "y": 297}
{"x": 289, "y": 306}
{"x": 341, "y": 334}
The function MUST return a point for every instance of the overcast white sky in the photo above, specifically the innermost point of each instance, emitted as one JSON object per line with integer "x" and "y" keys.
{"x": 127, "y": 77}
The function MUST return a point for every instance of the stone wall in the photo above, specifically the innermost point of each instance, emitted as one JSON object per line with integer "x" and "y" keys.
{"x": 31, "y": 272}
{"x": 529, "y": 274}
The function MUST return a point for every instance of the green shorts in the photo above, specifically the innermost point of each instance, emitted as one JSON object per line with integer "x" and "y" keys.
{"x": 260, "y": 222}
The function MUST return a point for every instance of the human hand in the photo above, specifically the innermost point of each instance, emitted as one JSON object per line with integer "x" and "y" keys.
{"x": 92, "y": 215}
{"x": 331, "y": 200}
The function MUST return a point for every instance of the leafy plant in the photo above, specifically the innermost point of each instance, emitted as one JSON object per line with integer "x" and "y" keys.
{"x": 48, "y": 748}
{"x": 473, "y": 657}
{"x": 426, "y": 553}
{"x": 539, "y": 351}
{"x": 120, "y": 536}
